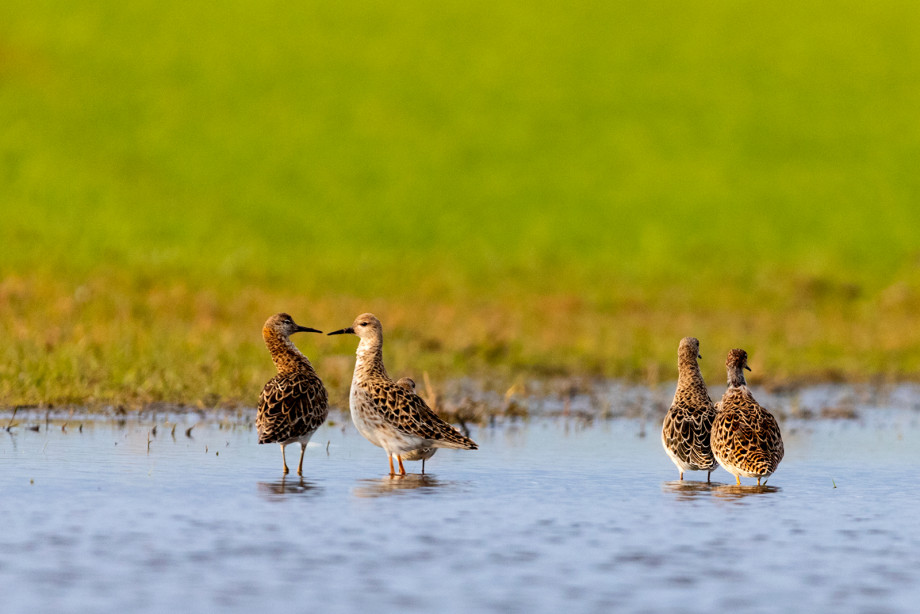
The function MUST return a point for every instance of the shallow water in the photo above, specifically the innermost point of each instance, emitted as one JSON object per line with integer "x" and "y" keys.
{"x": 555, "y": 514}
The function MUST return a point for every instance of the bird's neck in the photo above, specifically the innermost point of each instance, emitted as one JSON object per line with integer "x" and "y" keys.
{"x": 370, "y": 358}
{"x": 285, "y": 355}
{"x": 688, "y": 371}
{"x": 688, "y": 376}
{"x": 736, "y": 377}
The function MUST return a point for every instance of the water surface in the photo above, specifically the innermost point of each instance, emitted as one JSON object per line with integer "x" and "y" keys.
{"x": 552, "y": 514}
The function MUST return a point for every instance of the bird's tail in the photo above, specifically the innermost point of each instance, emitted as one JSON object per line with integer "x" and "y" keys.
{"x": 455, "y": 439}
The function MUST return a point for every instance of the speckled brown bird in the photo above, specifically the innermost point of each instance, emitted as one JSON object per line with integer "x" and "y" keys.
{"x": 745, "y": 437}
{"x": 293, "y": 404}
{"x": 390, "y": 415}
{"x": 687, "y": 426}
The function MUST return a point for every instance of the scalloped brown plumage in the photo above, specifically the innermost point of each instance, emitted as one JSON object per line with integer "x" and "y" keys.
{"x": 293, "y": 404}
{"x": 685, "y": 433}
{"x": 746, "y": 439}
{"x": 388, "y": 414}
{"x": 419, "y": 454}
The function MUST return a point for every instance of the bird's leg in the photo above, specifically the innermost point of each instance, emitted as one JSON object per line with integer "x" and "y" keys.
{"x": 402, "y": 470}
{"x": 709, "y": 477}
{"x": 392, "y": 472}
{"x": 758, "y": 481}
{"x": 303, "y": 448}
{"x": 283, "y": 460}
{"x": 681, "y": 475}
{"x": 738, "y": 479}
{"x": 423, "y": 466}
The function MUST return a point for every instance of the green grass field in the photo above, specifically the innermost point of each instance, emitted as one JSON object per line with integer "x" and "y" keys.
{"x": 515, "y": 189}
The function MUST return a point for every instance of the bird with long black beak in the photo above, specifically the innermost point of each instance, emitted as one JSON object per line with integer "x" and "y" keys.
{"x": 293, "y": 404}
{"x": 388, "y": 414}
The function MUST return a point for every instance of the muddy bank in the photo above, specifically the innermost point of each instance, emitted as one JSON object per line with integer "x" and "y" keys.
{"x": 472, "y": 402}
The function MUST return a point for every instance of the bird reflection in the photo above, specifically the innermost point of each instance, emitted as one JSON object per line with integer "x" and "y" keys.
{"x": 288, "y": 487}
{"x": 733, "y": 491}
{"x": 686, "y": 490}
{"x": 398, "y": 484}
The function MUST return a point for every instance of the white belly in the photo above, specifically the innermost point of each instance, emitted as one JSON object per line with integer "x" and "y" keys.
{"x": 363, "y": 416}
{"x": 375, "y": 429}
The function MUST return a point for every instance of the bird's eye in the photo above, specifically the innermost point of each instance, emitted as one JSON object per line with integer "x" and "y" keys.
{"x": 363, "y": 323}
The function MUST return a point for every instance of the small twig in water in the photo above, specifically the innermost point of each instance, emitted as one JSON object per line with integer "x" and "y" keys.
{"x": 10, "y": 425}
{"x": 188, "y": 431}
{"x": 327, "y": 447}
{"x": 833, "y": 482}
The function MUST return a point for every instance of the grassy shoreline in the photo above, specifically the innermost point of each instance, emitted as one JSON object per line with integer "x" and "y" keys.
{"x": 516, "y": 190}
{"x": 101, "y": 345}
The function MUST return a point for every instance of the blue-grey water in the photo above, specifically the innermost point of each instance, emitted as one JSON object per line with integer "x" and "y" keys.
{"x": 552, "y": 514}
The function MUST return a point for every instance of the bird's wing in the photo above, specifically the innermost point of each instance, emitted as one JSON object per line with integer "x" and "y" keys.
{"x": 412, "y": 415}
{"x": 291, "y": 405}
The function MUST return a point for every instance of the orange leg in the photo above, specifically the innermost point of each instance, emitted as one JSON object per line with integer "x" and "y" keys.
{"x": 402, "y": 470}
{"x": 681, "y": 475}
{"x": 738, "y": 479}
{"x": 392, "y": 472}
{"x": 758, "y": 481}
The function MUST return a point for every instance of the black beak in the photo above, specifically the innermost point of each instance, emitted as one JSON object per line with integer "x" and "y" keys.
{"x": 747, "y": 367}
{"x": 304, "y": 329}
{"x": 344, "y": 331}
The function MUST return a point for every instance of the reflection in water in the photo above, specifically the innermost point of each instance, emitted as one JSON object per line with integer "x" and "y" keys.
{"x": 733, "y": 491}
{"x": 686, "y": 490}
{"x": 286, "y": 487}
{"x": 396, "y": 484}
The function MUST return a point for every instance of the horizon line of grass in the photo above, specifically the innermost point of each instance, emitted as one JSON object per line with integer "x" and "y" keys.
{"x": 99, "y": 343}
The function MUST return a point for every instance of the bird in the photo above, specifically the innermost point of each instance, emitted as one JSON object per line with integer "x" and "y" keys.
{"x": 406, "y": 382}
{"x": 685, "y": 433}
{"x": 420, "y": 454}
{"x": 746, "y": 439}
{"x": 387, "y": 414}
{"x": 293, "y": 404}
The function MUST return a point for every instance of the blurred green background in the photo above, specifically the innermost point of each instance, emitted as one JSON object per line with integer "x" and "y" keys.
{"x": 516, "y": 189}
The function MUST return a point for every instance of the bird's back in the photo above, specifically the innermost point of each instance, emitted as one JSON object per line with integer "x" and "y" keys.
{"x": 686, "y": 433}
{"x": 390, "y": 405}
{"x": 745, "y": 435}
{"x": 687, "y": 426}
{"x": 292, "y": 405}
